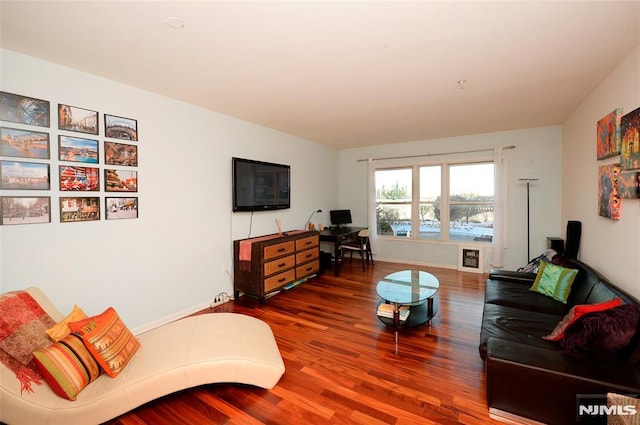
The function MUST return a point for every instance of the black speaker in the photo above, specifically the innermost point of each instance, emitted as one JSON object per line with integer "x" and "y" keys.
{"x": 572, "y": 245}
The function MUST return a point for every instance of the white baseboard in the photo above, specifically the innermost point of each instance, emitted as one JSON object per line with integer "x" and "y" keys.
{"x": 171, "y": 318}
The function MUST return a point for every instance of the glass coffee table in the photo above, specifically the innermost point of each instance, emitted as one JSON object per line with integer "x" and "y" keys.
{"x": 408, "y": 298}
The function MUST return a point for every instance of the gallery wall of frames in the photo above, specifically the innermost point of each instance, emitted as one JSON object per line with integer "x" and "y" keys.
{"x": 618, "y": 137}
{"x": 93, "y": 166}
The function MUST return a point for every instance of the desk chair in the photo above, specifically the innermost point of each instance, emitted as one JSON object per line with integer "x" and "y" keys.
{"x": 360, "y": 245}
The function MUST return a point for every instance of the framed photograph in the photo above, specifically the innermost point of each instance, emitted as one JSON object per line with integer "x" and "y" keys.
{"x": 24, "y": 143}
{"x": 608, "y": 130}
{"x": 629, "y": 185}
{"x": 120, "y": 180}
{"x": 24, "y": 110}
{"x": 71, "y": 118}
{"x": 120, "y": 128}
{"x": 76, "y": 149}
{"x": 25, "y": 210}
{"x": 79, "y": 178}
{"x": 121, "y": 208}
{"x": 120, "y": 154}
{"x": 608, "y": 199}
{"x": 16, "y": 175}
{"x": 79, "y": 209}
{"x": 630, "y": 140}
{"x": 470, "y": 259}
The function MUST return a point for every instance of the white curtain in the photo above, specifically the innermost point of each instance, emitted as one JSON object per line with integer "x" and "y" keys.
{"x": 371, "y": 205}
{"x": 499, "y": 210}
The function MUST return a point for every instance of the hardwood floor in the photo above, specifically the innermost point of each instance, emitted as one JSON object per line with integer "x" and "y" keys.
{"x": 342, "y": 365}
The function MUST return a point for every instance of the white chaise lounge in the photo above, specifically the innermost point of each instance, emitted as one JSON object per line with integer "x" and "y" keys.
{"x": 203, "y": 349}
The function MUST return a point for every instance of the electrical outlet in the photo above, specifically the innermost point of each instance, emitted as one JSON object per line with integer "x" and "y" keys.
{"x": 219, "y": 299}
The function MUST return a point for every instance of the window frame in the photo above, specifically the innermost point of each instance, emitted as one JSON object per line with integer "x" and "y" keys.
{"x": 445, "y": 201}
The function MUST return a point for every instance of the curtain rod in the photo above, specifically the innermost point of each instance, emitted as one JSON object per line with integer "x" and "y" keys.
{"x": 433, "y": 154}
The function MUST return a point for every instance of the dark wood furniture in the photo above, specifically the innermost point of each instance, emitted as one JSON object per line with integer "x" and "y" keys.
{"x": 264, "y": 265}
{"x": 336, "y": 236}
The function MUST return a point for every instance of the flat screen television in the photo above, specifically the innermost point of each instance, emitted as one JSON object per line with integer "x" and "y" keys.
{"x": 340, "y": 217}
{"x": 260, "y": 186}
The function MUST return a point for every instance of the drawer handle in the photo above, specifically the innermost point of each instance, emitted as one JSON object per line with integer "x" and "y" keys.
{"x": 282, "y": 264}
{"x": 281, "y": 249}
{"x": 281, "y": 279}
{"x": 309, "y": 255}
{"x": 308, "y": 243}
{"x": 308, "y": 269}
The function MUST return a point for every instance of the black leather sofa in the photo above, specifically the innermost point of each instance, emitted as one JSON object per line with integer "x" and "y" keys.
{"x": 533, "y": 378}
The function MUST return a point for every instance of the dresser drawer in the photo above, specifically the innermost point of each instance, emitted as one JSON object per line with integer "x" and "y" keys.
{"x": 276, "y": 266}
{"x": 279, "y": 280}
{"x": 307, "y": 269}
{"x": 308, "y": 242}
{"x": 277, "y": 250}
{"x": 308, "y": 255}
{"x": 276, "y": 261}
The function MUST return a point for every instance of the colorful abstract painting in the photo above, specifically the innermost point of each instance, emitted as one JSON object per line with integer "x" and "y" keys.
{"x": 630, "y": 140}
{"x": 608, "y": 129}
{"x": 629, "y": 185}
{"x": 608, "y": 200}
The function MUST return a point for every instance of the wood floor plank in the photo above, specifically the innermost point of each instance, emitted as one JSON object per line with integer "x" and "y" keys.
{"x": 342, "y": 363}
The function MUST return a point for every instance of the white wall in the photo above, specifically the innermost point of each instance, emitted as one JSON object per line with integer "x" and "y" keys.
{"x": 612, "y": 247}
{"x": 537, "y": 155}
{"x": 171, "y": 260}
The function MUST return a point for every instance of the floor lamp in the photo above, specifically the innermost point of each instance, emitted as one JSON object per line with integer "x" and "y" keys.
{"x": 528, "y": 181}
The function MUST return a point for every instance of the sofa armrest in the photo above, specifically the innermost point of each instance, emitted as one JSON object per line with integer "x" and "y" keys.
{"x": 544, "y": 385}
{"x": 512, "y": 276}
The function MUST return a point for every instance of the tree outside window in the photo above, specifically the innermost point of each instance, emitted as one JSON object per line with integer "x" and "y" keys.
{"x": 393, "y": 201}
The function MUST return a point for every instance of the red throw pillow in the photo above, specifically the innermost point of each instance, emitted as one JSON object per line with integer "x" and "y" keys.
{"x": 575, "y": 313}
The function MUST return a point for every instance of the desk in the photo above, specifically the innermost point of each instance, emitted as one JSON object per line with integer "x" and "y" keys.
{"x": 336, "y": 236}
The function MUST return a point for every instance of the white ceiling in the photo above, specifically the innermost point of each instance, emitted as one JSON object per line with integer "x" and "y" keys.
{"x": 344, "y": 74}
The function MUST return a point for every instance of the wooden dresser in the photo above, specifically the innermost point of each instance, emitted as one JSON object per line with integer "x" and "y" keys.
{"x": 265, "y": 264}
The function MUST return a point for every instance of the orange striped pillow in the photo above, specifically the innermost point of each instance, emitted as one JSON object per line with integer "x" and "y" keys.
{"x": 67, "y": 366}
{"x": 108, "y": 339}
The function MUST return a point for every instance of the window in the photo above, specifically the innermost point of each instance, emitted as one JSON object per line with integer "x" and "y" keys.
{"x": 411, "y": 202}
{"x": 429, "y": 203}
{"x": 471, "y": 198}
{"x": 394, "y": 201}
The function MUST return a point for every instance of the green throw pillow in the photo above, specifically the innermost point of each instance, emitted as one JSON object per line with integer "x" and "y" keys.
{"x": 554, "y": 281}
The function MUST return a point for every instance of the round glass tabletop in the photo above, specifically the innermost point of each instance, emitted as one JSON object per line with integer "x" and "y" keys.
{"x": 408, "y": 287}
